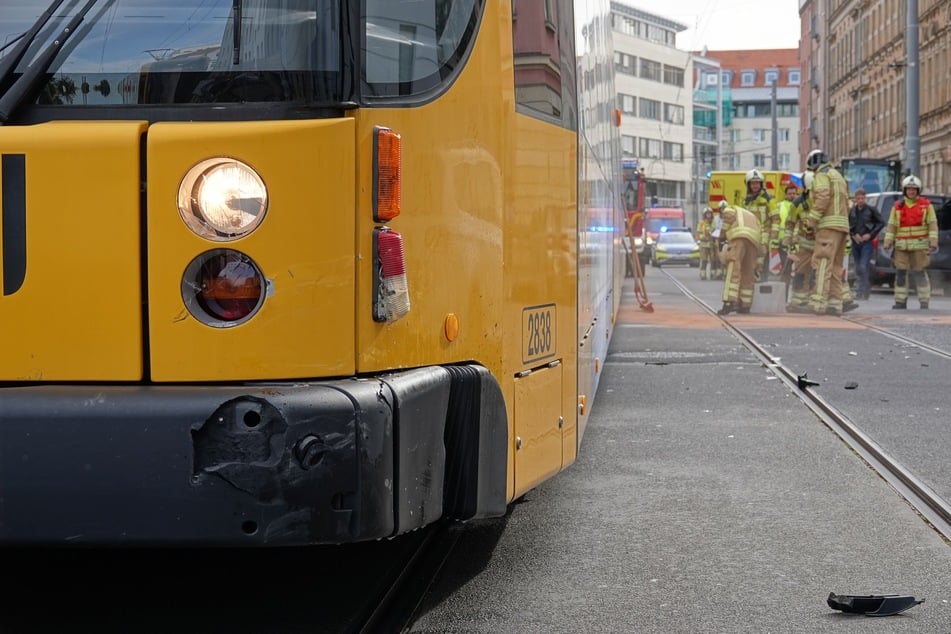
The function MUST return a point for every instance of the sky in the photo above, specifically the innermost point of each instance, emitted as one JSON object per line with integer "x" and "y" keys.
{"x": 730, "y": 24}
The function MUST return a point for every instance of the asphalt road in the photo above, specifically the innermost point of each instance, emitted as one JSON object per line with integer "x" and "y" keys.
{"x": 707, "y": 498}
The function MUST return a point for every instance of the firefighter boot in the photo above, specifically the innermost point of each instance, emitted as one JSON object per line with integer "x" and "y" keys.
{"x": 728, "y": 307}
{"x": 900, "y": 305}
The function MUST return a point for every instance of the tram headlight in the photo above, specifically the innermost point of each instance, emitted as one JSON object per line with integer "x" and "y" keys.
{"x": 222, "y": 199}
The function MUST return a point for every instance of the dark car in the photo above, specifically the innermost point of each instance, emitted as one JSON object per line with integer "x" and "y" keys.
{"x": 881, "y": 269}
{"x": 676, "y": 246}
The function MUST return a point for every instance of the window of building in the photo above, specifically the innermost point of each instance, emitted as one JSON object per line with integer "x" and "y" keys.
{"x": 771, "y": 77}
{"x": 674, "y": 113}
{"x": 648, "y": 109}
{"x": 735, "y": 136}
{"x": 626, "y": 103}
{"x": 748, "y": 78}
{"x": 784, "y": 161}
{"x": 648, "y": 148}
{"x": 760, "y": 135}
{"x": 624, "y": 63}
{"x": 650, "y": 69}
{"x": 673, "y": 75}
{"x": 708, "y": 79}
{"x": 794, "y": 76}
{"x": 783, "y": 135}
{"x": 674, "y": 151}
{"x": 627, "y": 145}
{"x": 726, "y": 76}
{"x": 759, "y": 160}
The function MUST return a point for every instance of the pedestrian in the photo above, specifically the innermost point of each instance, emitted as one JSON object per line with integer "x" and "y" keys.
{"x": 865, "y": 223}
{"x": 828, "y": 217}
{"x": 705, "y": 240}
{"x": 913, "y": 232}
{"x": 742, "y": 231}
{"x": 763, "y": 205}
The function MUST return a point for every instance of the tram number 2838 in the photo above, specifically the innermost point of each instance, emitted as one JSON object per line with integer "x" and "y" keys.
{"x": 539, "y": 329}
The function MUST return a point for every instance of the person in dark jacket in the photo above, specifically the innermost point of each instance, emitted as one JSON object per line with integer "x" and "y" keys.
{"x": 865, "y": 223}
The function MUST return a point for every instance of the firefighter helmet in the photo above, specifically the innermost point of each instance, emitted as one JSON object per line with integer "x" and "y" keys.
{"x": 911, "y": 181}
{"x": 816, "y": 158}
{"x": 723, "y": 205}
{"x": 753, "y": 175}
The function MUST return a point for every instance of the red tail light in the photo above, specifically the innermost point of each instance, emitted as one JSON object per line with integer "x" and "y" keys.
{"x": 389, "y": 276}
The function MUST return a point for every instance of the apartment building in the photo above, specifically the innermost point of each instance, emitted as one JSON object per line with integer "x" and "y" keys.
{"x": 752, "y": 81}
{"x": 854, "y": 96}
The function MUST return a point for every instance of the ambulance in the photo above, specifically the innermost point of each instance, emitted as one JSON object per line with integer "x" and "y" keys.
{"x": 731, "y": 186}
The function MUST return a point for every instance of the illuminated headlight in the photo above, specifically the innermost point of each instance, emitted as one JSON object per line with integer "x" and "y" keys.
{"x": 222, "y": 199}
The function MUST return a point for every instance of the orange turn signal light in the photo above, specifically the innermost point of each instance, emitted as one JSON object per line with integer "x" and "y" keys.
{"x": 387, "y": 157}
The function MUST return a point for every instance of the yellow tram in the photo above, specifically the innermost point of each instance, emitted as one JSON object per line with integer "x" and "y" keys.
{"x": 298, "y": 271}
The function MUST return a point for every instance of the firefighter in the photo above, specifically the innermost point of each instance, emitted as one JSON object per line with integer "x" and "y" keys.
{"x": 717, "y": 241}
{"x": 828, "y": 217}
{"x": 799, "y": 244}
{"x": 912, "y": 231}
{"x": 763, "y": 205}
{"x": 705, "y": 240}
{"x": 742, "y": 231}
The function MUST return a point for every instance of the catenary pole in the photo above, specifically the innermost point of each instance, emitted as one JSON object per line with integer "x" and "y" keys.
{"x": 912, "y": 138}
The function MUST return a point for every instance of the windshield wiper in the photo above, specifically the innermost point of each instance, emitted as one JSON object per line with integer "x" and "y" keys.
{"x": 10, "y": 61}
{"x": 25, "y": 87}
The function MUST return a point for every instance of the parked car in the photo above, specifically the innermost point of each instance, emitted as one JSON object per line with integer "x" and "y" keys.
{"x": 676, "y": 246}
{"x": 882, "y": 269}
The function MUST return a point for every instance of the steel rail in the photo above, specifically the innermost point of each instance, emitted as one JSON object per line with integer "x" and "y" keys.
{"x": 919, "y": 495}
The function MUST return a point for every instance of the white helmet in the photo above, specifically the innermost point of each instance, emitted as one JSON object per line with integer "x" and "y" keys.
{"x": 807, "y": 179}
{"x": 816, "y": 158}
{"x": 753, "y": 175}
{"x": 723, "y": 205}
{"x": 911, "y": 181}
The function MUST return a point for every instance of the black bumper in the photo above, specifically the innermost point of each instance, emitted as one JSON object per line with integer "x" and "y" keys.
{"x": 276, "y": 464}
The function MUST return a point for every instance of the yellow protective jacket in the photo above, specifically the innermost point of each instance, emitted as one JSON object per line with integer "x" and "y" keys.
{"x": 764, "y": 206}
{"x": 738, "y": 223}
{"x": 912, "y": 225}
{"x": 704, "y": 231}
{"x": 830, "y": 200}
{"x": 796, "y": 234}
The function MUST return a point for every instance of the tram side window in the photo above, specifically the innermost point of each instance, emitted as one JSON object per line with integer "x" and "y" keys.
{"x": 543, "y": 44}
{"x": 412, "y": 48}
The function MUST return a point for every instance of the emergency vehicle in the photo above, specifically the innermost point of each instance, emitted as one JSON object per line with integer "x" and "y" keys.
{"x": 731, "y": 186}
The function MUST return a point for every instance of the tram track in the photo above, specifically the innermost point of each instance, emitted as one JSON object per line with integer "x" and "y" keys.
{"x": 932, "y": 507}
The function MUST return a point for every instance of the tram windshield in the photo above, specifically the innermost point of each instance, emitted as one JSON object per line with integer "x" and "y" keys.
{"x": 165, "y": 52}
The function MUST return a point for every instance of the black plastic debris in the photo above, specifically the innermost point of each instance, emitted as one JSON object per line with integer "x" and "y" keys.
{"x": 803, "y": 381}
{"x": 872, "y": 604}
{"x": 851, "y": 385}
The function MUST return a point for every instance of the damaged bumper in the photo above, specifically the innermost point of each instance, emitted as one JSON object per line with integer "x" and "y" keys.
{"x": 280, "y": 464}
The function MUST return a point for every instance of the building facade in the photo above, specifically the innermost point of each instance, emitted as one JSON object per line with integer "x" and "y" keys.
{"x": 748, "y": 82}
{"x": 853, "y": 102}
{"x": 652, "y": 81}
